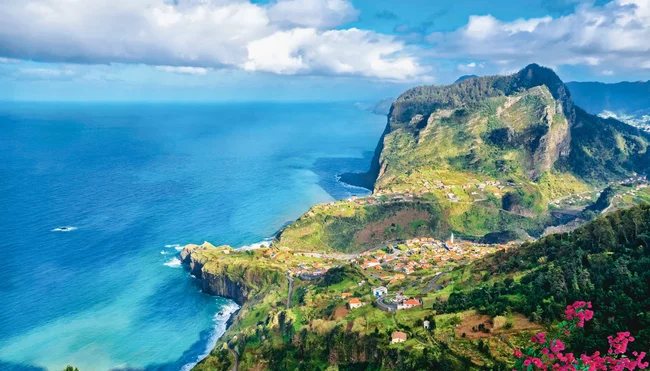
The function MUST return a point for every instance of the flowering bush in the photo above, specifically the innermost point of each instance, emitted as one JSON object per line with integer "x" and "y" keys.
{"x": 545, "y": 354}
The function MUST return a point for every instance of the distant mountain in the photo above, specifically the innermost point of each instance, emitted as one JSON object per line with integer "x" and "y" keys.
{"x": 626, "y": 101}
{"x": 466, "y": 77}
{"x": 382, "y": 107}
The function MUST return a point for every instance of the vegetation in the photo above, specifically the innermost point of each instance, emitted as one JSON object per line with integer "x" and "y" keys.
{"x": 607, "y": 260}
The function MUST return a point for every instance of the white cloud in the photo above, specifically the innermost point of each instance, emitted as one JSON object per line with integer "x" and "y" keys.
{"x": 609, "y": 37}
{"x": 184, "y": 70}
{"x": 344, "y": 52}
{"x": 203, "y": 34}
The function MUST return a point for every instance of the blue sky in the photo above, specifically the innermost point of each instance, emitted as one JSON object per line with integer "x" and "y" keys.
{"x": 288, "y": 50}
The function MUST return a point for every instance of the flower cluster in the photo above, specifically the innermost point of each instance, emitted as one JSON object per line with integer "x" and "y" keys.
{"x": 550, "y": 355}
{"x": 580, "y": 311}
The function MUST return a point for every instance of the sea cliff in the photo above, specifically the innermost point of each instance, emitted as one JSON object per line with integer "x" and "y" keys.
{"x": 225, "y": 272}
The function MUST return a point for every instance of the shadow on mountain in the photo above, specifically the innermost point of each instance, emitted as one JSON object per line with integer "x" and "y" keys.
{"x": 8, "y": 366}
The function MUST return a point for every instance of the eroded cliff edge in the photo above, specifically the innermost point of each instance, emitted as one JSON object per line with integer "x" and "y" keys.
{"x": 234, "y": 275}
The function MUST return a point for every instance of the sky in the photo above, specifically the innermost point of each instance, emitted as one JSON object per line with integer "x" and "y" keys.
{"x": 295, "y": 50}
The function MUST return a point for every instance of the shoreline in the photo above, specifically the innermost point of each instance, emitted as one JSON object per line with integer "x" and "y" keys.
{"x": 216, "y": 335}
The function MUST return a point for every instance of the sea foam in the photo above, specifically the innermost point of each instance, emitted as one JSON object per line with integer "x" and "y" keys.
{"x": 258, "y": 245}
{"x": 174, "y": 263}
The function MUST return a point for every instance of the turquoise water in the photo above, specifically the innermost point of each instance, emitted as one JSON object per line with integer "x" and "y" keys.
{"x": 133, "y": 181}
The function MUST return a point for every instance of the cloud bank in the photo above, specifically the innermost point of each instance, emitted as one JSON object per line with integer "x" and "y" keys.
{"x": 283, "y": 37}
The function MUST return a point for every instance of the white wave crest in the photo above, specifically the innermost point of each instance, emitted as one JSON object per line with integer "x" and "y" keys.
{"x": 258, "y": 245}
{"x": 174, "y": 263}
{"x": 64, "y": 229}
{"x": 169, "y": 246}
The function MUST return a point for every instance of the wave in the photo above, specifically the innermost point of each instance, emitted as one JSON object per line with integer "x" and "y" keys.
{"x": 174, "y": 263}
{"x": 64, "y": 229}
{"x": 220, "y": 325}
{"x": 172, "y": 245}
{"x": 254, "y": 246}
{"x": 359, "y": 190}
{"x": 163, "y": 252}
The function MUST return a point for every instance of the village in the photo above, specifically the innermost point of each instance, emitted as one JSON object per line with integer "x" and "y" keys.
{"x": 472, "y": 191}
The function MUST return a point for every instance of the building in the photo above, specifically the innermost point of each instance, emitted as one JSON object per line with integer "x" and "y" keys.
{"x": 408, "y": 304}
{"x": 426, "y": 325}
{"x": 380, "y": 291}
{"x": 346, "y": 295}
{"x": 398, "y": 337}
{"x": 355, "y": 303}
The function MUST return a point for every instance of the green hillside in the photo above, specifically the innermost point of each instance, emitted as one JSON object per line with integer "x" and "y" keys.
{"x": 478, "y": 312}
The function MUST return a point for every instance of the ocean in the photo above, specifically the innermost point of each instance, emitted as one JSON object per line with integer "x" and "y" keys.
{"x": 131, "y": 183}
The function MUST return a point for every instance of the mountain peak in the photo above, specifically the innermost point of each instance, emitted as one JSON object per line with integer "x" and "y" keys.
{"x": 465, "y": 77}
{"x": 535, "y": 75}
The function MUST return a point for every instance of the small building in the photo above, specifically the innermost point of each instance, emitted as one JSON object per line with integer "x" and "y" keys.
{"x": 408, "y": 304}
{"x": 346, "y": 295}
{"x": 426, "y": 325}
{"x": 380, "y": 291}
{"x": 355, "y": 303}
{"x": 398, "y": 337}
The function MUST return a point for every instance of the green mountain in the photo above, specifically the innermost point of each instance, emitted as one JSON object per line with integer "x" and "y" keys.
{"x": 497, "y": 152}
{"x": 465, "y": 77}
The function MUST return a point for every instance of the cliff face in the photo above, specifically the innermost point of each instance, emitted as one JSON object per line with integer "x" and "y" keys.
{"x": 236, "y": 279}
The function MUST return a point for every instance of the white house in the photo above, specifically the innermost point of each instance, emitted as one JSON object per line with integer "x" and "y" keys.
{"x": 380, "y": 291}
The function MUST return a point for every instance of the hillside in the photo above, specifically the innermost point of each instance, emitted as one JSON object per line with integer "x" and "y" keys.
{"x": 488, "y": 155}
{"x": 468, "y": 315}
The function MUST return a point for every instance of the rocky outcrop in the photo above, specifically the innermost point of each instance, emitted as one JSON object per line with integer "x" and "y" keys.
{"x": 236, "y": 281}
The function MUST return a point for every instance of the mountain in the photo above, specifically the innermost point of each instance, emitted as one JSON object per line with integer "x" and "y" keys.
{"x": 382, "y": 107}
{"x": 465, "y": 77}
{"x": 490, "y": 155}
{"x": 626, "y": 101}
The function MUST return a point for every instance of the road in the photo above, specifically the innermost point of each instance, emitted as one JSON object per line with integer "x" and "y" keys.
{"x": 234, "y": 353}
{"x": 290, "y": 291}
{"x": 432, "y": 284}
{"x": 387, "y": 307}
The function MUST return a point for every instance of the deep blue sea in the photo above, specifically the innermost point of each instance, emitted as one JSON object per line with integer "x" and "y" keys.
{"x": 133, "y": 182}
